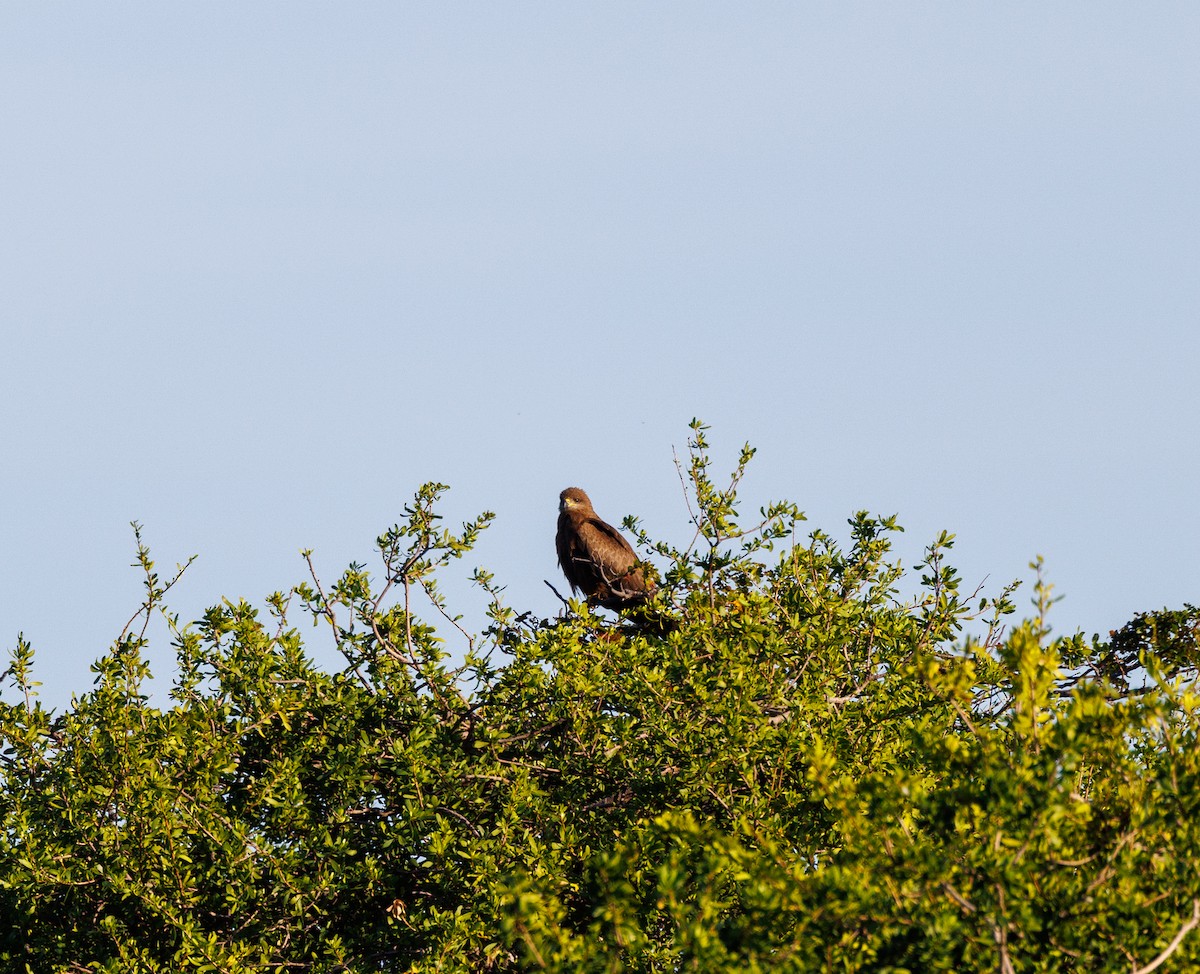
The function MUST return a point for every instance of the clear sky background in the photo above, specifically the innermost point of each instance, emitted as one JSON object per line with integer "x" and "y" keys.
{"x": 265, "y": 268}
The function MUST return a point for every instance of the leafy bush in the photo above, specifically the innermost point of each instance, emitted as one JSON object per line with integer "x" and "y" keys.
{"x": 801, "y": 772}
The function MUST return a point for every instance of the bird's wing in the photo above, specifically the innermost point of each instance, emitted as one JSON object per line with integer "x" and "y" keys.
{"x": 570, "y": 558}
{"x": 606, "y": 545}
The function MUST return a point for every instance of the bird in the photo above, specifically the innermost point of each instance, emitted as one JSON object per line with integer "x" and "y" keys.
{"x": 594, "y": 556}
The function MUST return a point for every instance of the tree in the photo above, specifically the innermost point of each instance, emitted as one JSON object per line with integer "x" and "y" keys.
{"x": 801, "y": 773}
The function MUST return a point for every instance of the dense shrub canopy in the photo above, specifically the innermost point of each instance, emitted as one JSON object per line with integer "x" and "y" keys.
{"x": 779, "y": 766}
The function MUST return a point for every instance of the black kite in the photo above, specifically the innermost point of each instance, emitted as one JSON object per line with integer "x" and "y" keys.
{"x": 595, "y": 558}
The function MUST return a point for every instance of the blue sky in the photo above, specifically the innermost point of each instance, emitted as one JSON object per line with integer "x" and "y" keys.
{"x": 267, "y": 268}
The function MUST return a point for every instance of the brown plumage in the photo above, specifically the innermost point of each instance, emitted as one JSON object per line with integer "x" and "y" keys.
{"x": 595, "y": 558}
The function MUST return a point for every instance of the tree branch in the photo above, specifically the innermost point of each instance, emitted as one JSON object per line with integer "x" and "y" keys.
{"x": 1173, "y": 946}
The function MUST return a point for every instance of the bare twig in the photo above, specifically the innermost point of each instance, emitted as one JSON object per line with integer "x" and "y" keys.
{"x": 556, "y": 592}
{"x": 407, "y": 617}
{"x": 326, "y": 608}
{"x": 962, "y": 715}
{"x": 1001, "y": 935}
{"x": 687, "y": 502}
{"x": 1000, "y": 932}
{"x": 461, "y": 817}
{"x": 958, "y": 898}
{"x": 155, "y": 596}
{"x": 449, "y": 618}
{"x": 328, "y": 613}
{"x": 853, "y": 694}
{"x": 1173, "y": 946}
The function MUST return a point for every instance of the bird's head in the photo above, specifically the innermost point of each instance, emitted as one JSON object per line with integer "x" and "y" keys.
{"x": 573, "y": 497}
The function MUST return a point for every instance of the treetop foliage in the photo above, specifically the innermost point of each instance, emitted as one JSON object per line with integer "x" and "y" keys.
{"x": 803, "y": 772}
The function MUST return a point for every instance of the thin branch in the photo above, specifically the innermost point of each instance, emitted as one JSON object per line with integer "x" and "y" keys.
{"x": 460, "y": 816}
{"x": 449, "y": 618}
{"x": 328, "y": 613}
{"x": 407, "y": 618}
{"x": 326, "y": 609}
{"x": 1000, "y": 931}
{"x": 1001, "y": 935}
{"x": 958, "y": 898}
{"x": 154, "y": 599}
{"x": 549, "y": 726}
{"x": 1173, "y": 946}
{"x": 962, "y": 715}
{"x": 853, "y": 695}
{"x": 687, "y": 503}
